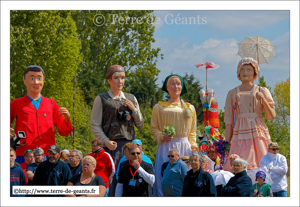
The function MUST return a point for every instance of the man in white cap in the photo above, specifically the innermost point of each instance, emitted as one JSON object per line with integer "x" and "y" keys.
{"x": 52, "y": 171}
{"x": 277, "y": 167}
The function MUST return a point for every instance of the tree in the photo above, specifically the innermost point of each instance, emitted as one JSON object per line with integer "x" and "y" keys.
{"x": 279, "y": 127}
{"x": 282, "y": 99}
{"x": 115, "y": 42}
{"x": 143, "y": 85}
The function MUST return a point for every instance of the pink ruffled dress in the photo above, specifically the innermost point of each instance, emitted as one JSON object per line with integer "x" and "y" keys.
{"x": 250, "y": 133}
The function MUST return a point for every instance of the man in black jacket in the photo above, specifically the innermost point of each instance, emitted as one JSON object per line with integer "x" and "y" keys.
{"x": 198, "y": 183}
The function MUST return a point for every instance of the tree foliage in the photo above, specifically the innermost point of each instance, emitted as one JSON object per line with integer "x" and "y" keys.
{"x": 279, "y": 127}
{"x": 49, "y": 39}
{"x": 142, "y": 84}
{"x": 127, "y": 44}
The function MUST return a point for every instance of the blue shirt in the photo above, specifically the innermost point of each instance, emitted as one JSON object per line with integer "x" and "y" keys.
{"x": 17, "y": 178}
{"x": 35, "y": 103}
{"x": 31, "y": 167}
{"x": 123, "y": 159}
{"x": 172, "y": 181}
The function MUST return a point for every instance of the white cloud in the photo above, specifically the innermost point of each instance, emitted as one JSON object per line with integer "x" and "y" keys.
{"x": 210, "y": 43}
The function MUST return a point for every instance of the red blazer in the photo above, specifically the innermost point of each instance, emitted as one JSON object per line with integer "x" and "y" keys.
{"x": 38, "y": 125}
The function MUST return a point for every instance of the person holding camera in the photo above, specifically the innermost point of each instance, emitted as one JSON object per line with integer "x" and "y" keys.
{"x": 37, "y": 115}
{"x": 113, "y": 117}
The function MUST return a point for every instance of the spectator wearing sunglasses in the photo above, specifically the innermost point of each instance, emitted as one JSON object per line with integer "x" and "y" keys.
{"x": 38, "y": 154}
{"x": 277, "y": 167}
{"x": 126, "y": 154}
{"x": 29, "y": 158}
{"x": 174, "y": 174}
{"x": 136, "y": 177}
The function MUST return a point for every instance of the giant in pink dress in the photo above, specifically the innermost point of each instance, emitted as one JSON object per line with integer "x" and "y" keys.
{"x": 250, "y": 134}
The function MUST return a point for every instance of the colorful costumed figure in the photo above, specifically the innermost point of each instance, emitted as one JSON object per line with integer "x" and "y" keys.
{"x": 210, "y": 108}
{"x": 245, "y": 129}
{"x": 37, "y": 115}
{"x": 178, "y": 114}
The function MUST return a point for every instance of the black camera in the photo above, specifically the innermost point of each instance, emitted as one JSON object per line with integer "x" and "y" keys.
{"x": 15, "y": 141}
{"x": 124, "y": 115}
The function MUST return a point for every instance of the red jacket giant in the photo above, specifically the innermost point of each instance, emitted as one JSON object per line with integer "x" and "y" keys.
{"x": 38, "y": 125}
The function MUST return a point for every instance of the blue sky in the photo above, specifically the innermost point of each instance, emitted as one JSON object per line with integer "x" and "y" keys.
{"x": 215, "y": 39}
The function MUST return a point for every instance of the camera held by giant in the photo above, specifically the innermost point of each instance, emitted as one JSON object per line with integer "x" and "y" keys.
{"x": 124, "y": 115}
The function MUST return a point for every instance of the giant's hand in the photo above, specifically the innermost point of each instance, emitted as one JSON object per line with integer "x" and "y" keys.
{"x": 167, "y": 138}
{"x": 63, "y": 111}
{"x": 129, "y": 104}
{"x": 111, "y": 145}
{"x": 259, "y": 95}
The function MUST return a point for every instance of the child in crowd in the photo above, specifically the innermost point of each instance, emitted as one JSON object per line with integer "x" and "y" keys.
{"x": 261, "y": 189}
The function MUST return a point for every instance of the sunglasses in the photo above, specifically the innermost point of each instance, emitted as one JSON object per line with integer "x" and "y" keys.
{"x": 138, "y": 153}
{"x": 171, "y": 156}
{"x": 275, "y": 149}
{"x": 27, "y": 152}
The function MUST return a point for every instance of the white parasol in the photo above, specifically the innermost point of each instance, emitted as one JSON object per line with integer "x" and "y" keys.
{"x": 260, "y": 49}
{"x": 252, "y": 175}
{"x": 211, "y": 163}
{"x": 221, "y": 177}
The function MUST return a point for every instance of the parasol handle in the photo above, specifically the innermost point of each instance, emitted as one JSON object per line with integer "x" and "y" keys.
{"x": 259, "y": 91}
{"x": 258, "y": 66}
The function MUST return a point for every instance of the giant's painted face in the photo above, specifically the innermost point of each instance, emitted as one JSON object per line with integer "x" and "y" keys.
{"x": 117, "y": 81}
{"x": 34, "y": 81}
{"x": 174, "y": 86}
{"x": 247, "y": 73}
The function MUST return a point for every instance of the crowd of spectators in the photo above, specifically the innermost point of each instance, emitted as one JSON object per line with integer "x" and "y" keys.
{"x": 186, "y": 176}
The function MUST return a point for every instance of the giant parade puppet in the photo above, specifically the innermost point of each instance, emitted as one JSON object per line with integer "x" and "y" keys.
{"x": 245, "y": 129}
{"x": 246, "y": 133}
{"x": 36, "y": 116}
